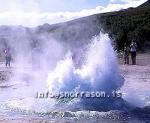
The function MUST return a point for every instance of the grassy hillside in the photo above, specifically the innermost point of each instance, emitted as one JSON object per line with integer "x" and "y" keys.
{"x": 127, "y": 25}
{"x": 122, "y": 26}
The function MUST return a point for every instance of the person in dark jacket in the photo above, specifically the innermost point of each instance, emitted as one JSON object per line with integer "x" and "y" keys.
{"x": 7, "y": 58}
{"x": 133, "y": 48}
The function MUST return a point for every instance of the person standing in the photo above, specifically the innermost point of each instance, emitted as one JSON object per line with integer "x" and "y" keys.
{"x": 7, "y": 58}
{"x": 126, "y": 54}
{"x": 133, "y": 47}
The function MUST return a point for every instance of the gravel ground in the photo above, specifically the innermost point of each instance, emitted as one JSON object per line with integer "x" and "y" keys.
{"x": 137, "y": 81}
{"x": 136, "y": 89}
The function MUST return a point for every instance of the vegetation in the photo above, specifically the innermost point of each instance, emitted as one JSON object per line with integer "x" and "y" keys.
{"x": 122, "y": 26}
{"x": 127, "y": 25}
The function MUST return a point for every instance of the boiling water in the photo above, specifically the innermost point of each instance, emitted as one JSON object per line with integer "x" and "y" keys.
{"x": 98, "y": 73}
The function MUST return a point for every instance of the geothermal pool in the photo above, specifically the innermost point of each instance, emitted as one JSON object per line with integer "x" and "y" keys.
{"x": 98, "y": 71}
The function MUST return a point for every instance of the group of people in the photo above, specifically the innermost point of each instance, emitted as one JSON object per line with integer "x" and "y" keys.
{"x": 130, "y": 50}
{"x": 127, "y": 51}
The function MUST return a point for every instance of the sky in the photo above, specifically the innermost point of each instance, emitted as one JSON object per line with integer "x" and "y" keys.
{"x": 31, "y": 13}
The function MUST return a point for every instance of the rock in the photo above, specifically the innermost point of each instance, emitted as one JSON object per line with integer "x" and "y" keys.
{"x": 68, "y": 114}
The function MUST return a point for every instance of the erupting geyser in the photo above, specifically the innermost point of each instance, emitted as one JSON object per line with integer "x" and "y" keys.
{"x": 98, "y": 72}
{"x": 58, "y": 72}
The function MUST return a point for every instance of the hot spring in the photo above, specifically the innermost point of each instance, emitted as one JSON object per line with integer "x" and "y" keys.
{"x": 56, "y": 71}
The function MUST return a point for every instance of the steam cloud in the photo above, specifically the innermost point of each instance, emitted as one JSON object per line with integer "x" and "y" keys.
{"x": 45, "y": 64}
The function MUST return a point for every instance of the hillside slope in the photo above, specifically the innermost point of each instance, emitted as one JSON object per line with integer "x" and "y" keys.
{"x": 122, "y": 26}
{"x": 127, "y": 25}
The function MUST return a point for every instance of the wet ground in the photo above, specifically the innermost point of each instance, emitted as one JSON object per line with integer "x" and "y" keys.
{"x": 136, "y": 90}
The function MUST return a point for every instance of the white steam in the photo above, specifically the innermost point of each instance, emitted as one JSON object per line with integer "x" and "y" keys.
{"x": 53, "y": 69}
{"x": 99, "y": 71}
